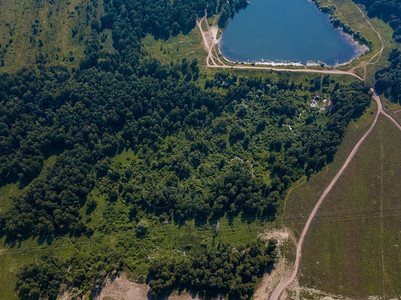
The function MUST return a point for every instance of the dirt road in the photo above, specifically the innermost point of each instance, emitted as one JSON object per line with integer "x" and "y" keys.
{"x": 294, "y": 270}
{"x": 210, "y": 62}
{"x": 293, "y": 273}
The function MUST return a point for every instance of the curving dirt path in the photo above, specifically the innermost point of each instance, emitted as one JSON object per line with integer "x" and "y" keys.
{"x": 213, "y": 61}
{"x": 365, "y": 64}
{"x": 290, "y": 278}
{"x": 294, "y": 270}
{"x": 210, "y": 62}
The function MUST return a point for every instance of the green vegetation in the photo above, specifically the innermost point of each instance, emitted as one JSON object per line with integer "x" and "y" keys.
{"x": 221, "y": 269}
{"x": 388, "y": 10}
{"x": 135, "y": 157}
{"x": 44, "y": 32}
{"x": 228, "y": 10}
{"x": 188, "y": 172}
{"x": 356, "y": 232}
{"x": 302, "y": 196}
{"x": 188, "y": 46}
{"x": 388, "y": 80}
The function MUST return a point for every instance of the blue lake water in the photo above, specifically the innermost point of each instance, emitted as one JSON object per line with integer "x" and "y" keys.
{"x": 286, "y": 31}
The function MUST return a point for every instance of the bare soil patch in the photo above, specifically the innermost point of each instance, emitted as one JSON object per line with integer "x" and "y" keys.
{"x": 121, "y": 288}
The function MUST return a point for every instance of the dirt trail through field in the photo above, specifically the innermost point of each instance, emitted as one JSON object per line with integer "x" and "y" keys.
{"x": 210, "y": 62}
{"x": 289, "y": 279}
{"x": 365, "y": 64}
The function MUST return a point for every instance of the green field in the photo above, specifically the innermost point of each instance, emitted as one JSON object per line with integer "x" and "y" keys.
{"x": 49, "y": 32}
{"x": 353, "y": 247}
{"x": 176, "y": 48}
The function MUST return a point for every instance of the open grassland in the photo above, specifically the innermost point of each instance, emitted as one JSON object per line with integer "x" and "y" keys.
{"x": 182, "y": 46}
{"x": 353, "y": 247}
{"x": 50, "y": 32}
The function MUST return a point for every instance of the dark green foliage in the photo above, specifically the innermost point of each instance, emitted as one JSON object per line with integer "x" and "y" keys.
{"x": 228, "y": 9}
{"x": 51, "y": 206}
{"x": 90, "y": 114}
{"x": 142, "y": 227}
{"x": 40, "y": 281}
{"x": 87, "y": 110}
{"x": 388, "y": 80}
{"x": 85, "y": 271}
{"x": 220, "y": 269}
{"x": 236, "y": 189}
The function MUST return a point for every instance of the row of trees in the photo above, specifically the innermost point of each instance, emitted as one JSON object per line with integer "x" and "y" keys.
{"x": 388, "y": 80}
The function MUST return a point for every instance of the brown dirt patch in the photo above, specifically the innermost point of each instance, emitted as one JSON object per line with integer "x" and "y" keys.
{"x": 121, "y": 288}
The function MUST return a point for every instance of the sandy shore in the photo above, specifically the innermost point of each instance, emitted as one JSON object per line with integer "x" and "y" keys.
{"x": 360, "y": 50}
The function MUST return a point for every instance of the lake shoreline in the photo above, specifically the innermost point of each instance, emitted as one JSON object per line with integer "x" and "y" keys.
{"x": 360, "y": 49}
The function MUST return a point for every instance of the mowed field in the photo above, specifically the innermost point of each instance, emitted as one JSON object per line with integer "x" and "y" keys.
{"x": 354, "y": 245}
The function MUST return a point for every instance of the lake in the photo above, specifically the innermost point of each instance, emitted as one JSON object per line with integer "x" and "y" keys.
{"x": 286, "y": 32}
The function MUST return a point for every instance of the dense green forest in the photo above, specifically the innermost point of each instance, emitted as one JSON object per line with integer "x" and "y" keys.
{"x": 226, "y": 147}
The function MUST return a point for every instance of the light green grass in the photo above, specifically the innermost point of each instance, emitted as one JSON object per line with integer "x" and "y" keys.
{"x": 176, "y": 48}
{"x": 7, "y": 193}
{"x": 24, "y": 25}
{"x": 343, "y": 249}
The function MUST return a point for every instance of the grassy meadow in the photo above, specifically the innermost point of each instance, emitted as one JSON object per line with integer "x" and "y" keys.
{"x": 48, "y": 32}
{"x": 352, "y": 248}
